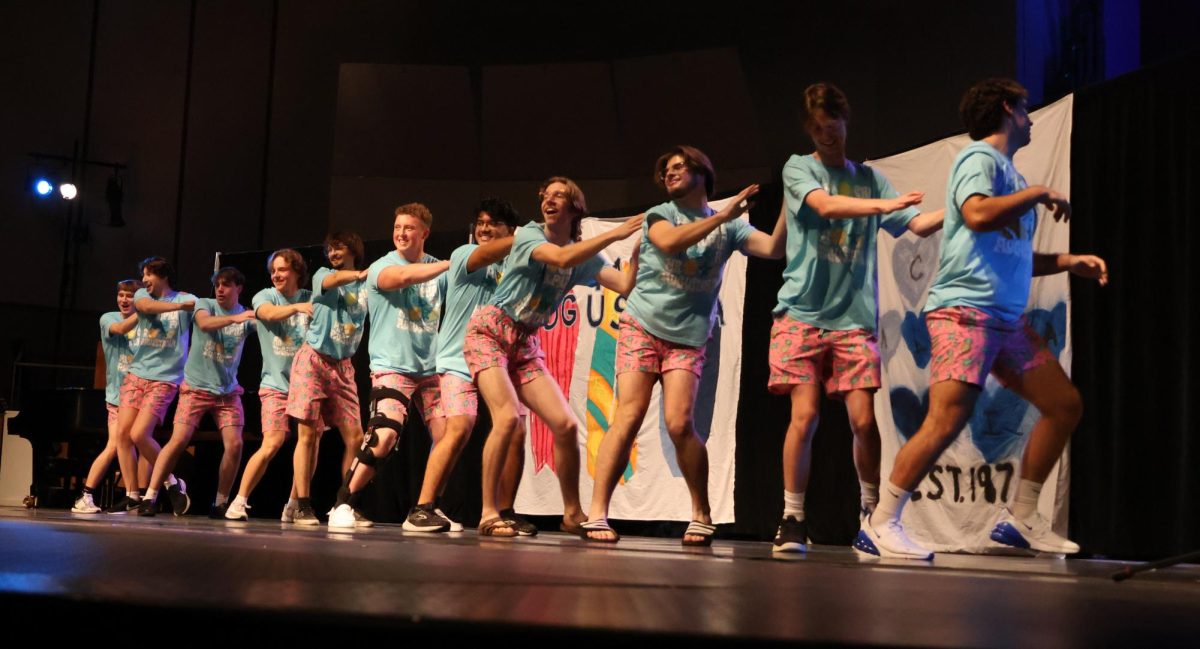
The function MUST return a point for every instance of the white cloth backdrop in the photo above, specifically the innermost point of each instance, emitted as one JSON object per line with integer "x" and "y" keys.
{"x": 654, "y": 489}
{"x": 955, "y": 507}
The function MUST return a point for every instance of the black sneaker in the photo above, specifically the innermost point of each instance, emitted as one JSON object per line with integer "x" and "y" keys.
{"x": 423, "y": 518}
{"x": 217, "y": 511}
{"x": 792, "y": 536}
{"x": 180, "y": 503}
{"x": 146, "y": 508}
{"x": 306, "y": 516}
{"x": 523, "y": 526}
{"x": 124, "y": 505}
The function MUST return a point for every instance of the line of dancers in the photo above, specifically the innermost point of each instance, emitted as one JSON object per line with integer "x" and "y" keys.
{"x": 445, "y": 333}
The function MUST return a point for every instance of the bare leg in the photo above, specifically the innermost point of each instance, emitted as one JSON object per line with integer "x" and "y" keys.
{"x": 1050, "y": 391}
{"x": 181, "y": 436}
{"x": 679, "y": 404}
{"x": 304, "y": 460}
{"x": 231, "y": 437}
{"x": 860, "y": 407}
{"x": 256, "y": 466}
{"x": 497, "y": 391}
{"x": 612, "y": 457}
{"x": 544, "y": 398}
{"x": 797, "y": 442}
{"x": 514, "y": 466}
{"x": 950, "y": 405}
{"x": 450, "y": 437}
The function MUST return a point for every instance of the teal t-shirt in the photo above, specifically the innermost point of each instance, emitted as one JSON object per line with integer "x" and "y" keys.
{"x": 162, "y": 340}
{"x": 212, "y": 364}
{"x": 829, "y": 281}
{"x": 465, "y": 293}
{"x": 990, "y": 271}
{"x": 404, "y": 323}
{"x": 281, "y": 339}
{"x": 676, "y": 295}
{"x": 118, "y": 355}
{"x": 336, "y": 326}
{"x": 530, "y": 291}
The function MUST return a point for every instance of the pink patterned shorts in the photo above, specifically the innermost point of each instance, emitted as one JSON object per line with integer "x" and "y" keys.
{"x": 226, "y": 409}
{"x": 967, "y": 344}
{"x": 112, "y": 413}
{"x": 802, "y": 354}
{"x": 143, "y": 394}
{"x": 460, "y": 397}
{"x": 641, "y": 351}
{"x": 496, "y": 340}
{"x": 423, "y": 390}
{"x": 322, "y": 388}
{"x": 274, "y": 411}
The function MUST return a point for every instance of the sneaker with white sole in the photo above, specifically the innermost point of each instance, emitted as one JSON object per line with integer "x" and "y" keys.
{"x": 345, "y": 516}
{"x": 455, "y": 526}
{"x": 1032, "y": 533}
{"x": 792, "y": 536}
{"x": 236, "y": 512}
{"x": 125, "y": 505}
{"x": 180, "y": 501}
{"x": 289, "y": 513}
{"x": 84, "y": 505}
{"x": 425, "y": 518}
{"x": 889, "y": 542}
{"x": 305, "y": 516}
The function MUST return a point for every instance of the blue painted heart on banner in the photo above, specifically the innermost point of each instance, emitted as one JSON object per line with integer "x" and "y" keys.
{"x": 889, "y": 337}
{"x": 908, "y": 410}
{"x": 1051, "y": 325}
{"x": 914, "y": 263}
{"x": 996, "y": 423}
{"x": 916, "y": 336}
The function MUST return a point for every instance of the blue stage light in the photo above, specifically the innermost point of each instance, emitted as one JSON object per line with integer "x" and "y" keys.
{"x": 43, "y": 187}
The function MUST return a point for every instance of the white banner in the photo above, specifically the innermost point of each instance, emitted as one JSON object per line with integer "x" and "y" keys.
{"x": 580, "y": 344}
{"x": 956, "y": 505}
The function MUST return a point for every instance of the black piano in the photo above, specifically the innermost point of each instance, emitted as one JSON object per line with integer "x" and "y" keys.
{"x": 51, "y": 418}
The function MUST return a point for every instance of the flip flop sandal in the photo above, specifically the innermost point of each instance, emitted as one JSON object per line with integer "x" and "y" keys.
{"x": 492, "y": 527}
{"x": 696, "y": 528}
{"x": 600, "y": 525}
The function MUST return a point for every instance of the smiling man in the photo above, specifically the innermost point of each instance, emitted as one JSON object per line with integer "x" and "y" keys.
{"x": 210, "y": 385}
{"x": 404, "y": 291}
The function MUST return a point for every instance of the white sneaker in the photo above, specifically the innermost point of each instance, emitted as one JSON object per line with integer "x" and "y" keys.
{"x": 344, "y": 516}
{"x": 289, "y": 513}
{"x": 1032, "y": 533}
{"x": 84, "y": 505}
{"x": 890, "y": 542}
{"x": 455, "y": 526}
{"x": 236, "y": 512}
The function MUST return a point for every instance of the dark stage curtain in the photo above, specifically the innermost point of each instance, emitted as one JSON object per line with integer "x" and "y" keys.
{"x": 1135, "y": 485}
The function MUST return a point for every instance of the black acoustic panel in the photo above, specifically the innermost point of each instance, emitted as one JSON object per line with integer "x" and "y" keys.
{"x": 368, "y": 205}
{"x": 554, "y": 119}
{"x": 405, "y": 121}
{"x": 697, "y": 98}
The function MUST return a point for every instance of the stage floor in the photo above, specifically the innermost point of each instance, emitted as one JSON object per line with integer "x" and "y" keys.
{"x": 208, "y": 579}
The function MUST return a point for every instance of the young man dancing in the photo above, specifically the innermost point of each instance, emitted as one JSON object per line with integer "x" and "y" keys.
{"x": 667, "y": 323}
{"x": 210, "y": 385}
{"x": 824, "y": 332}
{"x": 974, "y": 314}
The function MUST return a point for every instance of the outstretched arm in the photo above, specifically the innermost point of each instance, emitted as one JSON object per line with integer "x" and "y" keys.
{"x": 987, "y": 213}
{"x": 277, "y": 312}
{"x": 673, "y": 239}
{"x": 151, "y": 306}
{"x": 489, "y": 253}
{"x": 927, "y": 223}
{"x": 341, "y": 278}
{"x": 770, "y": 246}
{"x": 622, "y": 281}
{"x": 571, "y": 255}
{"x": 828, "y": 206}
{"x": 208, "y": 322}
{"x": 394, "y": 278}
{"x": 123, "y": 327}
{"x": 1089, "y": 266}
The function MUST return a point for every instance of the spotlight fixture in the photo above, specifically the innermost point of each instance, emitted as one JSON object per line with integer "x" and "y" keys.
{"x": 68, "y": 191}
{"x": 43, "y": 187}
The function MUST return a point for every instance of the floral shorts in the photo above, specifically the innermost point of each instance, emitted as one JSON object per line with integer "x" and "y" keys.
{"x": 967, "y": 344}
{"x": 641, "y": 351}
{"x": 802, "y": 354}
{"x": 420, "y": 389}
{"x": 226, "y": 409}
{"x": 143, "y": 394}
{"x": 274, "y": 411}
{"x": 322, "y": 388}
{"x": 496, "y": 340}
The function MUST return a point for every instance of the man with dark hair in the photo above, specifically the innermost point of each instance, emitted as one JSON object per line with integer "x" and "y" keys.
{"x": 117, "y": 339}
{"x": 281, "y": 314}
{"x": 210, "y": 385}
{"x": 404, "y": 291}
{"x": 974, "y": 314}
{"x": 321, "y": 386}
{"x": 469, "y": 283}
{"x": 162, "y": 338}
{"x": 667, "y": 323}
{"x": 825, "y": 320}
